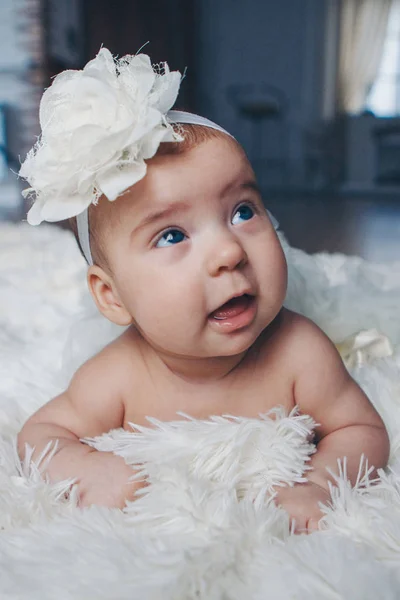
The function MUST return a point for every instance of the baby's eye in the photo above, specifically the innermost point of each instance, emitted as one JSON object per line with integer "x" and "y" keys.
{"x": 243, "y": 213}
{"x": 170, "y": 238}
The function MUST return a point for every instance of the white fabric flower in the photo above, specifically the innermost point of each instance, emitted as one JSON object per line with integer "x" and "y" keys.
{"x": 99, "y": 125}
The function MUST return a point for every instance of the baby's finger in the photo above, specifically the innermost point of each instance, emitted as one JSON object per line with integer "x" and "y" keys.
{"x": 298, "y": 525}
{"x": 312, "y": 525}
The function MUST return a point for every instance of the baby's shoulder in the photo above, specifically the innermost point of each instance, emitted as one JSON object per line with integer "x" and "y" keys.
{"x": 98, "y": 389}
{"x": 294, "y": 323}
{"x": 294, "y": 335}
{"x": 305, "y": 343}
{"x": 116, "y": 362}
{"x": 297, "y": 330}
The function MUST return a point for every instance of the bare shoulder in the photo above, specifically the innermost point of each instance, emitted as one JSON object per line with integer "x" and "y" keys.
{"x": 323, "y": 387}
{"x": 278, "y": 347}
{"x": 310, "y": 351}
{"x": 290, "y": 333}
{"x": 296, "y": 320}
{"x": 300, "y": 330}
{"x": 94, "y": 401}
{"x": 113, "y": 367}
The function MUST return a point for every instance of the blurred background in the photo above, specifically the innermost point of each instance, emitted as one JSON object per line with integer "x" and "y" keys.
{"x": 311, "y": 88}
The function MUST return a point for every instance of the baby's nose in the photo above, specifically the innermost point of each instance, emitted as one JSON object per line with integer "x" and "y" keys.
{"x": 227, "y": 255}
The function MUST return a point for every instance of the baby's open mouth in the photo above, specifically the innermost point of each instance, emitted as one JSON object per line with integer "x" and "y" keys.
{"x": 233, "y": 307}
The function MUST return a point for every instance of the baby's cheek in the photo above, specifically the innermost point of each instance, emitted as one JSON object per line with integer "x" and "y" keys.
{"x": 159, "y": 315}
{"x": 277, "y": 272}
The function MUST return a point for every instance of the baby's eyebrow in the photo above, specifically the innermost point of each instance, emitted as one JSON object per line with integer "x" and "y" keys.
{"x": 170, "y": 210}
{"x": 251, "y": 185}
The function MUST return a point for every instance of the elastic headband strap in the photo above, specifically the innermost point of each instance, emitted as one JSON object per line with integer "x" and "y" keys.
{"x": 82, "y": 222}
{"x": 179, "y": 116}
{"x": 173, "y": 116}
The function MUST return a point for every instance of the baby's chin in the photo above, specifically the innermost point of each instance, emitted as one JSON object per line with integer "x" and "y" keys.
{"x": 235, "y": 345}
{"x": 213, "y": 343}
{"x": 237, "y": 342}
{"x": 217, "y": 350}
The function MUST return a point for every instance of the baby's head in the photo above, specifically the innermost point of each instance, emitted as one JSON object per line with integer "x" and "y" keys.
{"x": 189, "y": 254}
{"x": 181, "y": 244}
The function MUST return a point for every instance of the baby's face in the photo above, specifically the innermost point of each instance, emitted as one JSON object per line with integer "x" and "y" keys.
{"x": 193, "y": 254}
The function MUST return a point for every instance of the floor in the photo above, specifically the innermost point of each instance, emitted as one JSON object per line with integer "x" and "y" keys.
{"x": 362, "y": 226}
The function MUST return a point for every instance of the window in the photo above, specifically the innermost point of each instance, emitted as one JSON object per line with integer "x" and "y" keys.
{"x": 384, "y": 97}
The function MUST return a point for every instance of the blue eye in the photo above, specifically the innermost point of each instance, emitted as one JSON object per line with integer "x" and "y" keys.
{"x": 243, "y": 213}
{"x": 170, "y": 238}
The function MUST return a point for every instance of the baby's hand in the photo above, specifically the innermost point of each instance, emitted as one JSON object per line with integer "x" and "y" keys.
{"x": 105, "y": 481}
{"x": 301, "y": 502}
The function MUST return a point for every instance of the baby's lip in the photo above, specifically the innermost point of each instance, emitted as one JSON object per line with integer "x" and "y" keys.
{"x": 246, "y": 292}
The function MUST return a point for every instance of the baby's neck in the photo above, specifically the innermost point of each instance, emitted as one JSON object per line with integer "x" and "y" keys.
{"x": 200, "y": 370}
{"x": 209, "y": 370}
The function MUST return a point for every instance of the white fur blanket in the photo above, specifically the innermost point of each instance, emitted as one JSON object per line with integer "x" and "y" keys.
{"x": 206, "y": 527}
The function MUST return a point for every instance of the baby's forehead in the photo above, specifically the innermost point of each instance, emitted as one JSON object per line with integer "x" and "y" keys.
{"x": 181, "y": 181}
{"x": 216, "y": 162}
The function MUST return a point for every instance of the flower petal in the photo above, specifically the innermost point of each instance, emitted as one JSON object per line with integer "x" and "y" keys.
{"x": 137, "y": 77}
{"x": 150, "y": 121}
{"x": 115, "y": 181}
{"x": 102, "y": 67}
{"x": 166, "y": 91}
{"x": 34, "y": 216}
{"x": 151, "y": 142}
{"x": 58, "y": 209}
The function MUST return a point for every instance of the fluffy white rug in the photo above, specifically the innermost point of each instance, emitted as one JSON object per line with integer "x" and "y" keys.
{"x": 205, "y": 527}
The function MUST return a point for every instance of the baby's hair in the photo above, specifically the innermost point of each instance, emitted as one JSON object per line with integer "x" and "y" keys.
{"x": 193, "y": 135}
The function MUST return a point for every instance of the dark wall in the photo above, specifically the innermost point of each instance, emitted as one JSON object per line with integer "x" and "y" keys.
{"x": 123, "y": 26}
{"x": 273, "y": 42}
{"x": 279, "y": 43}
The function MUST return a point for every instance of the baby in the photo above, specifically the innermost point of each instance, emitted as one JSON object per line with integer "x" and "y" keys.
{"x": 187, "y": 258}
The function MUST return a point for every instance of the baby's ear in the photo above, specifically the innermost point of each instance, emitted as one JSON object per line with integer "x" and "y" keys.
{"x": 105, "y": 295}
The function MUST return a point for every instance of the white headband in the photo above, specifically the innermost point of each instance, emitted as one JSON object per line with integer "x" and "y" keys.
{"x": 174, "y": 116}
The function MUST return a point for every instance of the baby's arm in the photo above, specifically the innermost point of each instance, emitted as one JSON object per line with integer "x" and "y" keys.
{"x": 349, "y": 424}
{"x": 91, "y": 405}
